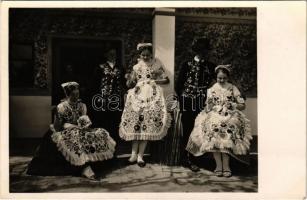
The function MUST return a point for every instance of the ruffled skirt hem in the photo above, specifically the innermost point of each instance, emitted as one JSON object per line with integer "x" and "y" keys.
{"x": 82, "y": 159}
{"x": 236, "y": 148}
{"x": 195, "y": 150}
{"x": 145, "y": 135}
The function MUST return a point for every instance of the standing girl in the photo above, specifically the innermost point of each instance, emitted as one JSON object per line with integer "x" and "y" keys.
{"x": 221, "y": 127}
{"x": 145, "y": 115}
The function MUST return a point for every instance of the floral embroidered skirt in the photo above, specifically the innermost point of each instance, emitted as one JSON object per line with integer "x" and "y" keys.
{"x": 145, "y": 115}
{"x": 82, "y": 145}
{"x": 213, "y": 132}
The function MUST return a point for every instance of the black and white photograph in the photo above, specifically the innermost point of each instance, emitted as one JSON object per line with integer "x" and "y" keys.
{"x": 133, "y": 99}
{"x": 117, "y": 100}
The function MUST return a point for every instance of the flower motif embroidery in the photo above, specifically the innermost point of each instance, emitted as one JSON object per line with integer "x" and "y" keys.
{"x": 84, "y": 121}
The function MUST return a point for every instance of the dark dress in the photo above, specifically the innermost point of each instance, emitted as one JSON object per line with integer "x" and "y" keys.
{"x": 195, "y": 77}
{"x": 68, "y": 151}
{"x": 106, "y": 97}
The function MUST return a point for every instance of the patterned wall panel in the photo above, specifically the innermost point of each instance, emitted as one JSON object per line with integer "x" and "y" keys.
{"x": 233, "y": 40}
{"x": 35, "y": 25}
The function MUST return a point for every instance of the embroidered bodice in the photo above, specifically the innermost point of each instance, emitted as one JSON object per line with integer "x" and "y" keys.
{"x": 143, "y": 71}
{"x": 152, "y": 70}
{"x": 223, "y": 99}
{"x": 220, "y": 95}
{"x": 68, "y": 113}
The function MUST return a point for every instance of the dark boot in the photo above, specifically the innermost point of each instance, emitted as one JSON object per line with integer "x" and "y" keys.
{"x": 188, "y": 162}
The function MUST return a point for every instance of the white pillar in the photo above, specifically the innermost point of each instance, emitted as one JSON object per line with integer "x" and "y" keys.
{"x": 164, "y": 43}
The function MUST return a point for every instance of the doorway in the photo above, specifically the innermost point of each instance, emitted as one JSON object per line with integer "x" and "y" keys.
{"x": 75, "y": 58}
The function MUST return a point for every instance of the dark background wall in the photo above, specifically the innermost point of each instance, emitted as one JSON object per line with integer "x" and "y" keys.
{"x": 232, "y": 30}
{"x": 33, "y": 26}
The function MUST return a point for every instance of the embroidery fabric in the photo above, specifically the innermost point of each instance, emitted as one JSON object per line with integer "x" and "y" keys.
{"x": 145, "y": 116}
{"x": 221, "y": 128}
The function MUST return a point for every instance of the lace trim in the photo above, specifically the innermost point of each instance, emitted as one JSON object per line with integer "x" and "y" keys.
{"x": 147, "y": 136}
{"x": 194, "y": 149}
{"x": 74, "y": 159}
{"x": 240, "y": 148}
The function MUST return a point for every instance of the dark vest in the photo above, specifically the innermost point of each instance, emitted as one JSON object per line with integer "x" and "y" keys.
{"x": 192, "y": 84}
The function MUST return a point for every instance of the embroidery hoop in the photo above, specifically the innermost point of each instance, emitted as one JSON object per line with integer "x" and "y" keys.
{"x": 146, "y": 101}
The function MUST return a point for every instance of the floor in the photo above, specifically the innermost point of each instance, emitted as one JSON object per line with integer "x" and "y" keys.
{"x": 132, "y": 178}
{"x": 120, "y": 177}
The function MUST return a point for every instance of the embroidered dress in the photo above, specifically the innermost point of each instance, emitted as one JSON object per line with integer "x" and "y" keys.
{"x": 81, "y": 144}
{"x": 145, "y": 115}
{"x": 222, "y": 128}
{"x": 67, "y": 151}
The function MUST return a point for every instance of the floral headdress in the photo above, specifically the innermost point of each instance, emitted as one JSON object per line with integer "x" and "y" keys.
{"x": 143, "y": 45}
{"x": 226, "y": 67}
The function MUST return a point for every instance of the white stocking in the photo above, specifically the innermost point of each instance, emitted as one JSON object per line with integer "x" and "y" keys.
{"x": 142, "y": 147}
{"x": 218, "y": 160}
{"x": 225, "y": 157}
{"x": 135, "y": 146}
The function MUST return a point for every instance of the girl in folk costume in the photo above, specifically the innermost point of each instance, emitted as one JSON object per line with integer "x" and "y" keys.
{"x": 145, "y": 117}
{"x": 71, "y": 146}
{"x": 221, "y": 127}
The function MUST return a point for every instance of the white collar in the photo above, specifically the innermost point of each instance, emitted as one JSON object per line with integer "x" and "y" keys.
{"x": 111, "y": 64}
{"x": 197, "y": 59}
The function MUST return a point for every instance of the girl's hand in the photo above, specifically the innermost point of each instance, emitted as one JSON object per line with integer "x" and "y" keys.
{"x": 210, "y": 104}
{"x": 162, "y": 81}
{"x": 231, "y": 106}
{"x": 69, "y": 126}
{"x": 131, "y": 79}
{"x": 137, "y": 90}
{"x": 84, "y": 121}
{"x": 240, "y": 106}
{"x": 217, "y": 108}
{"x": 172, "y": 105}
{"x": 240, "y": 103}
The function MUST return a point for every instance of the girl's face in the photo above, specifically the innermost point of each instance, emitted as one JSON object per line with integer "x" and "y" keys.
{"x": 146, "y": 55}
{"x": 222, "y": 78}
{"x": 74, "y": 95}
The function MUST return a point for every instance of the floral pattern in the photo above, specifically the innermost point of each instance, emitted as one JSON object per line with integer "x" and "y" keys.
{"x": 198, "y": 78}
{"x": 34, "y": 26}
{"x": 84, "y": 121}
{"x": 221, "y": 127}
{"x": 232, "y": 43}
{"x": 81, "y": 144}
{"x": 111, "y": 80}
{"x": 145, "y": 116}
{"x": 218, "y": 11}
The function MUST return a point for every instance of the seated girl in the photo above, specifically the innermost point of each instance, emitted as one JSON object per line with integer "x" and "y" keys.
{"x": 71, "y": 147}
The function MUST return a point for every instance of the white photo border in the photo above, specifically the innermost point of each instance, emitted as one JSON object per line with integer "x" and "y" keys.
{"x": 281, "y": 53}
